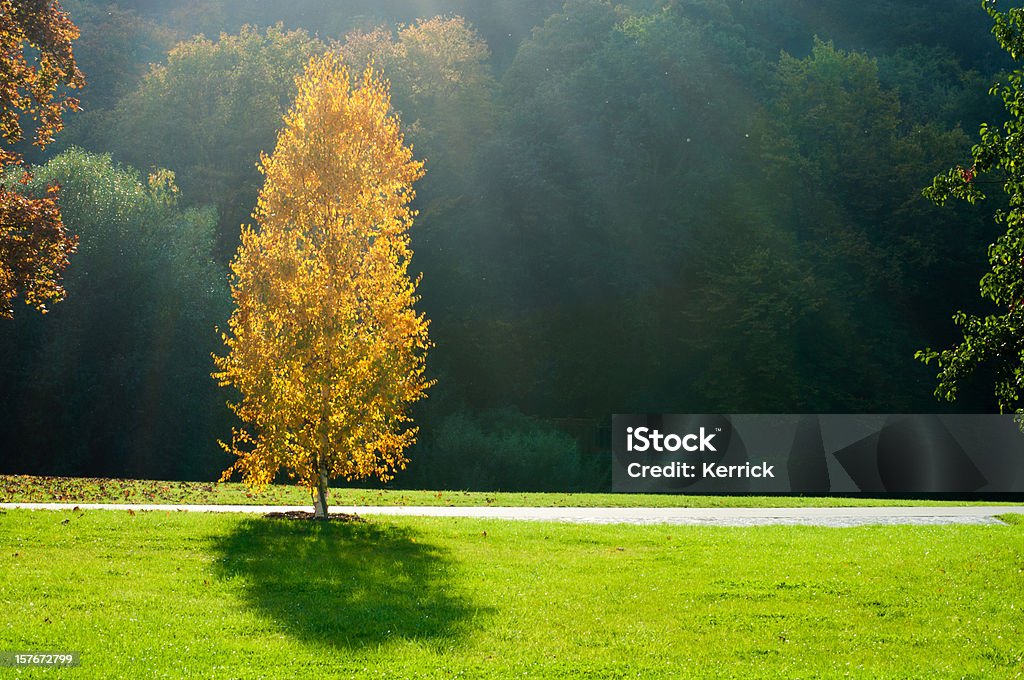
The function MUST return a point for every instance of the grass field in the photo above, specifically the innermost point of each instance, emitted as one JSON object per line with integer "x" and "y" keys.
{"x": 165, "y": 594}
{"x": 26, "y": 488}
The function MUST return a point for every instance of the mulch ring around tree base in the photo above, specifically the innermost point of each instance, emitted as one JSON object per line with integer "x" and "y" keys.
{"x": 302, "y": 514}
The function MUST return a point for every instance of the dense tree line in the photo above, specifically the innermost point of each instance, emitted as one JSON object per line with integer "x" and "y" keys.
{"x": 116, "y": 381}
{"x": 652, "y": 205}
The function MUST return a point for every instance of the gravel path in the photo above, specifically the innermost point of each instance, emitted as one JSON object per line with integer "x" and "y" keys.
{"x": 829, "y": 517}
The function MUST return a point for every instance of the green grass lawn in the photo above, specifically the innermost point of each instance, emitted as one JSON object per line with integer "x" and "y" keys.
{"x": 27, "y": 488}
{"x": 167, "y": 594}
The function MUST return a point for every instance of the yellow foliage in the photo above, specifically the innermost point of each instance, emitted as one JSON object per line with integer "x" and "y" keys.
{"x": 324, "y": 345}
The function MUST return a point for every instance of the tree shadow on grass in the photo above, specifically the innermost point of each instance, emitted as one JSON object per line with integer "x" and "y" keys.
{"x": 348, "y": 584}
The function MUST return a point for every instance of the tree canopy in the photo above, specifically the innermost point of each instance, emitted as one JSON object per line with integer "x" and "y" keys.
{"x": 207, "y": 113}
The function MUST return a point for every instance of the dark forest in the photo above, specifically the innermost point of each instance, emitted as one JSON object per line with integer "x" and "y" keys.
{"x": 677, "y": 206}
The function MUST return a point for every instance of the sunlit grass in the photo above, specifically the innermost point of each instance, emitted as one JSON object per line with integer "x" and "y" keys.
{"x": 158, "y": 594}
{"x": 27, "y": 488}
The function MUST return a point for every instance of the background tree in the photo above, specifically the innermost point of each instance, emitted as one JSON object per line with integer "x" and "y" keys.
{"x": 117, "y": 48}
{"x": 444, "y": 92}
{"x": 994, "y": 341}
{"x": 206, "y": 113}
{"x": 36, "y": 60}
{"x": 848, "y": 174}
{"x": 115, "y": 379}
{"x": 441, "y": 87}
{"x": 324, "y": 345}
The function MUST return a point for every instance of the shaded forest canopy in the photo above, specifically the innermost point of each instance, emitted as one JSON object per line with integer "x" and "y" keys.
{"x": 708, "y": 206}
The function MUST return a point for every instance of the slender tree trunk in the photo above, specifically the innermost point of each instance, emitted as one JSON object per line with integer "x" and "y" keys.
{"x": 321, "y": 491}
{"x": 320, "y": 504}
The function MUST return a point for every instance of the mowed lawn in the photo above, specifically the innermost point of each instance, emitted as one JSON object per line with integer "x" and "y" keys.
{"x": 172, "y": 594}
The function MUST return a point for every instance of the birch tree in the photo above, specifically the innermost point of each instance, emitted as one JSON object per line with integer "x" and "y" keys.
{"x": 325, "y": 346}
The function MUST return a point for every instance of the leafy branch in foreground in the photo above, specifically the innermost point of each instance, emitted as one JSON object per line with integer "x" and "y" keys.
{"x": 995, "y": 340}
{"x": 36, "y": 65}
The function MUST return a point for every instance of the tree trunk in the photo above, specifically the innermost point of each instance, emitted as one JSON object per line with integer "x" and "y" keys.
{"x": 320, "y": 503}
